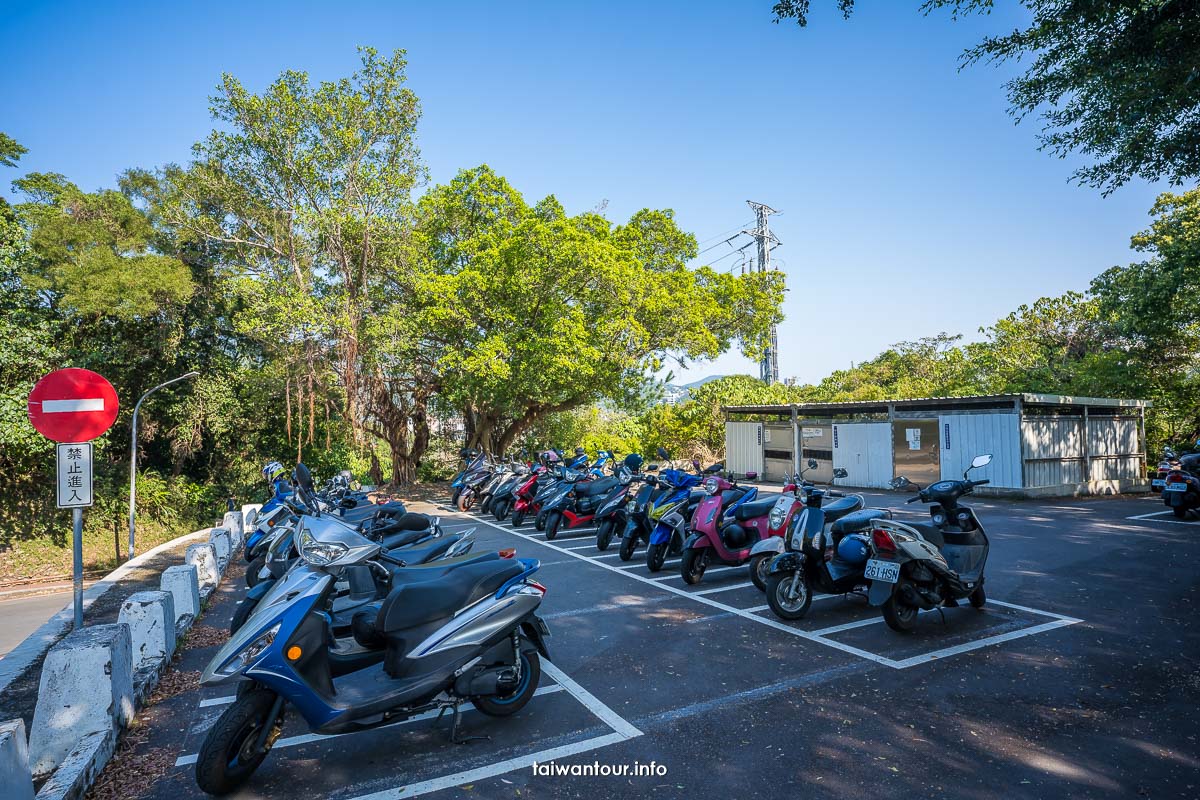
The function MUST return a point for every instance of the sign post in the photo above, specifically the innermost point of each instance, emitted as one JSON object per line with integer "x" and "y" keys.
{"x": 72, "y": 407}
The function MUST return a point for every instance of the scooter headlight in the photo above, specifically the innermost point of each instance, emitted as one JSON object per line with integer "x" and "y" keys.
{"x": 246, "y": 656}
{"x": 320, "y": 554}
{"x": 778, "y": 514}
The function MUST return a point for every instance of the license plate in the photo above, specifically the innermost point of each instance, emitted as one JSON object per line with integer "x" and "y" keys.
{"x": 886, "y": 571}
{"x": 1176, "y": 487}
{"x": 1158, "y": 483}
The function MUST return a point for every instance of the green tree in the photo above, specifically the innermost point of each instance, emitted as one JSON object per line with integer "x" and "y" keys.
{"x": 1114, "y": 80}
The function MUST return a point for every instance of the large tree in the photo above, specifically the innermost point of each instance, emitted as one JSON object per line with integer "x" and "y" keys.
{"x": 1114, "y": 80}
{"x": 541, "y": 312}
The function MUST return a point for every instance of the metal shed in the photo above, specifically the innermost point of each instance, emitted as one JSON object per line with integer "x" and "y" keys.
{"x": 1042, "y": 445}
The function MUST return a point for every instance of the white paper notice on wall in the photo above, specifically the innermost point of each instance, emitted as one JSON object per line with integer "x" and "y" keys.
{"x": 913, "y": 435}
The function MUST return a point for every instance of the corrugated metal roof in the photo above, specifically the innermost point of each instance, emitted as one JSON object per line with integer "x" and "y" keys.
{"x": 1028, "y": 399}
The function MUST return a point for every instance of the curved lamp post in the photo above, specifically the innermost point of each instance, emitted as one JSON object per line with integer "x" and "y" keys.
{"x": 133, "y": 453}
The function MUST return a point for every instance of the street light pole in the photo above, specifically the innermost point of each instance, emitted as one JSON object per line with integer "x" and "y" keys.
{"x": 133, "y": 453}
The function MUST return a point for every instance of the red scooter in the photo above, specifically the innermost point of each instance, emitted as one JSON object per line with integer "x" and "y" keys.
{"x": 712, "y": 536}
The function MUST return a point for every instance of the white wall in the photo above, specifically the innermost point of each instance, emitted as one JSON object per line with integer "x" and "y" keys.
{"x": 965, "y": 436}
{"x": 863, "y": 449}
{"x": 744, "y": 447}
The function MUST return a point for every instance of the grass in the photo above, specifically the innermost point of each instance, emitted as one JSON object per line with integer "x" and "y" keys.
{"x": 48, "y": 558}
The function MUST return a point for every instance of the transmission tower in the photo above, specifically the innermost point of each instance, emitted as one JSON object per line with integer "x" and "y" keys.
{"x": 768, "y": 370}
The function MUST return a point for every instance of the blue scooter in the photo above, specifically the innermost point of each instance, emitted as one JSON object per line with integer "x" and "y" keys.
{"x": 471, "y": 634}
{"x": 670, "y": 512}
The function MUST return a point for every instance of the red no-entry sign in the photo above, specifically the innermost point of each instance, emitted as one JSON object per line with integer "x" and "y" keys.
{"x": 73, "y": 405}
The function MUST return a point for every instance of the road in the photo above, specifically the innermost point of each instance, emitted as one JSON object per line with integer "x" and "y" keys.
{"x": 1078, "y": 680}
{"x": 24, "y": 615}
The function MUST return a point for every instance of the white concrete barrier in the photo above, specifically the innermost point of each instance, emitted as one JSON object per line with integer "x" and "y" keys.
{"x": 250, "y": 516}
{"x": 184, "y": 585}
{"x": 204, "y": 558}
{"x": 233, "y": 524}
{"x": 151, "y": 620}
{"x": 222, "y": 547}
{"x": 86, "y": 688}
{"x": 16, "y": 781}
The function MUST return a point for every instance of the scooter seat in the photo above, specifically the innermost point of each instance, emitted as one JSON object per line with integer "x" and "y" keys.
{"x": 841, "y": 507}
{"x": 752, "y": 510}
{"x": 413, "y": 604}
{"x": 600, "y": 486}
{"x": 857, "y": 521}
{"x": 731, "y": 496}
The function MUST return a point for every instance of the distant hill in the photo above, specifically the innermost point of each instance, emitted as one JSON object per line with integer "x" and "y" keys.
{"x": 677, "y": 393}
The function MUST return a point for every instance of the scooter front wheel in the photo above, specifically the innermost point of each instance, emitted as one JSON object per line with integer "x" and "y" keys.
{"x": 978, "y": 597}
{"x": 789, "y": 594}
{"x": 759, "y": 565}
{"x": 628, "y": 546}
{"x": 500, "y": 509}
{"x": 553, "y": 519}
{"x": 518, "y": 519}
{"x": 244, "y": 609}
{"x": 539, "y": 522}
{"x": 656, "y": 556}
{"x": 230, "y": 753}
{"x": 466, "y": 500}
{"x": 695, "y": 561}
{"x": 507, "y": 705}
{"x": 254, "y": 569}
{"x": 604, "y": 535}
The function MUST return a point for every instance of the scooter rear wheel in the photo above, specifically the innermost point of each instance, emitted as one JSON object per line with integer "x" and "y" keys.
{"x": 789, "y": 594}
{"x": 978, "y": 597}
{"x": 1180, "y": 512}
{"x": 898, "y": 615}
{"x": 228, "y": 756}
{"x": 604, "y": 535}
{"x": 531, "y": 674}
{"x": 693, "y": 565}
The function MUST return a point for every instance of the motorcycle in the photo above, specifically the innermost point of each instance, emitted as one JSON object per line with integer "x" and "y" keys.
{"x": 638, "y": 526}
{"x": 774, "y": 523}
{"x": 671, "y": 510}
{"x": 578, "y": 500}
{"x": 613, "y": 510}
{"x": 826, "y": 550}
{"x": 473, "y": 460}
{"x": 470, "y": 635}
{"x": 526, "y": 495}
{"x": 916, "y": 565}
{"x": 714, "y": 533}
{"x": 1181, "y": 487}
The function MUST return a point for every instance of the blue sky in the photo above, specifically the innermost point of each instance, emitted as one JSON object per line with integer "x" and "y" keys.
{"x": 911, "y": 202}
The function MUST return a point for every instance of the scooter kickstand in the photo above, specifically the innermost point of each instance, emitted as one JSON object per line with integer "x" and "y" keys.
{"x": 454, "y": 737}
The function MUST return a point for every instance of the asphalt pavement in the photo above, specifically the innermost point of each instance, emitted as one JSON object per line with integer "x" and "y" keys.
{"x": 1079, "y": 679}
{"x": 23, "y": 615}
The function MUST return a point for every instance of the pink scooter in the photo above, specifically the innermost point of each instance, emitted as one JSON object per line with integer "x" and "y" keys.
{"x": 708, "y": 540}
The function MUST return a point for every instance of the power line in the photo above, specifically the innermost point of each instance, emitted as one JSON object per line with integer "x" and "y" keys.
{"x": 722, "y": 233}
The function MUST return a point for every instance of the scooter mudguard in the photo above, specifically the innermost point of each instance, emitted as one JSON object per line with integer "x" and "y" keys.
{"x": 786, "y": 562}
{"x": 772, "y": 544}
{"x": 879, "y": 593}
{"x": 535, "y": 631}
{"x": 662, "y": 534}
{"x": 697, "y": 541}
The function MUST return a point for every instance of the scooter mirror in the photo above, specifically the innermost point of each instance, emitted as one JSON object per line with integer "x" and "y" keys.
{"x": 304, "y": 478}
{"x": 981, "y": 461}
{"x": 812, "y": 463}
{"x": 652, "y": 468}
{"x": 662, "y": 453}
{"x": 840, "y": 473}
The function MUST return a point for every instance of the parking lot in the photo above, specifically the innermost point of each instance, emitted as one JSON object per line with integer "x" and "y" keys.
{"x": 1079, "y": 678}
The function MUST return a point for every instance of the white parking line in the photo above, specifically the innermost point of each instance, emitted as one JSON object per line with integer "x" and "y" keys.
{"x": 725, "y": 588}
{"x": 706, "y": 572}
{"x": 293, "y": 741}
{"x": 750, "y": 614}
{"x": 1161, "y": 513}
{"x": 607, "y": 555}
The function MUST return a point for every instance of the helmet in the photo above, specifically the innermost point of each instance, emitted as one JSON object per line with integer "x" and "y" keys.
{"x": 634, "y": 461}
{"x": 273, "y": 470}
{"x": 853, "y": 549}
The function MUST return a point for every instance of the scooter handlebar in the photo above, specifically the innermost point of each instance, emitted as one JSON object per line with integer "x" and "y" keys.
{"x": 913, "y": 499}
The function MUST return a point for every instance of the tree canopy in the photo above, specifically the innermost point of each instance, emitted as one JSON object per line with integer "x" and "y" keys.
{"x": 1113, "y": 80}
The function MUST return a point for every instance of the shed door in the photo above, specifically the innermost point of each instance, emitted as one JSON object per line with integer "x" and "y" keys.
{"x": 744, "y": 447}
{"x": 916, "y": 448}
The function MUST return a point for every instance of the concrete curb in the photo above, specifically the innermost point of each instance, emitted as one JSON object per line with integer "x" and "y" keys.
{"x": 37, "y": 643}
